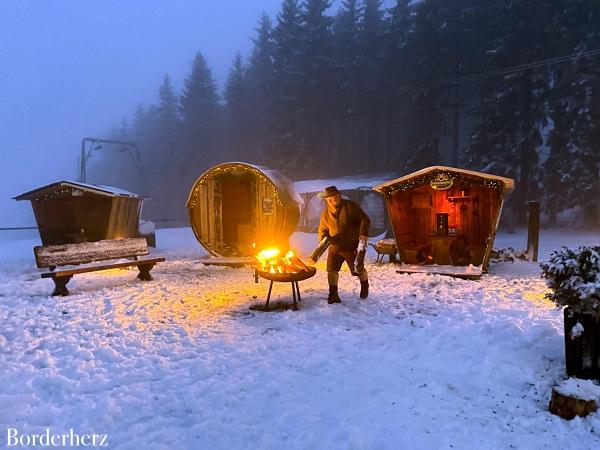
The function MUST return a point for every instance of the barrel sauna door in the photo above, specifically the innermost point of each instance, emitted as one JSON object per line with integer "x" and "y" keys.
{"x": 236, "y": 214}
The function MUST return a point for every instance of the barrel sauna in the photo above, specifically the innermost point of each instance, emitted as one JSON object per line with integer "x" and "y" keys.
{"x": 236, "y": 209}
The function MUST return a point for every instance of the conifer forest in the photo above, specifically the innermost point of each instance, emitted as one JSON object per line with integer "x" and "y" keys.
{"x": 510, "y": 88}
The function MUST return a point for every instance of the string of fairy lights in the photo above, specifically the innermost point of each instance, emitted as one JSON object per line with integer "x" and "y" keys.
{"x": 50, "y": 195}
{"x": 64, "y": 191}
{"x": 227, "y": 168}
{"x": 426, "y": 178}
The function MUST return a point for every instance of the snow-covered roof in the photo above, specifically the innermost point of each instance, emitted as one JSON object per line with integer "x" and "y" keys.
{"x": 109, "y": 191}
{"x": 364, "y": 182}
{"x": 509, "y": 183}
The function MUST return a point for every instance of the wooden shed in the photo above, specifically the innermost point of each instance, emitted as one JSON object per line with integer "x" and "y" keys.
{"x": 445, "y": 216}
{"x": 69, "y": 212}
{"x": 236, "y": 209}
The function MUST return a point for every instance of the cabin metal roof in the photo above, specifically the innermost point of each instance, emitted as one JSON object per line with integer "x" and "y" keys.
{"x": 99, "y": 189}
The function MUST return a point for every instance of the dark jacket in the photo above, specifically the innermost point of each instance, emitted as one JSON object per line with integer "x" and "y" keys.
{"x": 346, "y": 225}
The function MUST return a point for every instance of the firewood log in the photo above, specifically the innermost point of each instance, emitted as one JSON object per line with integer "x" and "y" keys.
{"x": 297, "y": 261}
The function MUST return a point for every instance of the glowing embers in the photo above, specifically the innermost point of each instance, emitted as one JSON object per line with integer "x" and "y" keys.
{"x": 271, "y": 260}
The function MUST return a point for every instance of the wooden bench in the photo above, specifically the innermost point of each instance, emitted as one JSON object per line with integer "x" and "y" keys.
{"x": 53, "y": 256}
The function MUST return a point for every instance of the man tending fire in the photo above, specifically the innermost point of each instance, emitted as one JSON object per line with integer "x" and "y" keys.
{"x": 347, "y": 227}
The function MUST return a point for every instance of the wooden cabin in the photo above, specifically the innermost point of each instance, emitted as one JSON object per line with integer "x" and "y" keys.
{"x": 69, "y": 212}
{"x": 445, "y": 216}
{"x": 236, "y": 209}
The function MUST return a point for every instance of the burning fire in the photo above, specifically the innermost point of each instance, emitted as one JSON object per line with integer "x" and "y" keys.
{"x": 270, "y": 260}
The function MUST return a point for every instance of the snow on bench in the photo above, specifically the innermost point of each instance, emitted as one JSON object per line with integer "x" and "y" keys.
{"x": 52, "y": 256}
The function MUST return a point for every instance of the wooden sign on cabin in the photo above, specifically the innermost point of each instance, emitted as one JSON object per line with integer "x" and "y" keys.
{"x": 441, "y": 181}
{"x": 445, "y": 216}
{"x": 236, "y": 209}
{"x": 268, "y": 206}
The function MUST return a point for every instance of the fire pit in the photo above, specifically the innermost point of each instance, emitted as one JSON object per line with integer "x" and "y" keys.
{"x": 287, "y": 269}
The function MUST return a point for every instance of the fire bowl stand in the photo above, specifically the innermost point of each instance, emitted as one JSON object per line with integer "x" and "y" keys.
{"x": 295, "y": 294}
{"x": 292, "y": 278}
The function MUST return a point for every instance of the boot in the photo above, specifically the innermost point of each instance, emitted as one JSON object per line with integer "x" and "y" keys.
{"x": 364, "y": 289}
{"x": 333, "y": 295}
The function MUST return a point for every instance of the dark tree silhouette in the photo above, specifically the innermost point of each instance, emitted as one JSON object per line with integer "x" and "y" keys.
{"x": 375, "y": 90}
{"x": 200, "y": 117}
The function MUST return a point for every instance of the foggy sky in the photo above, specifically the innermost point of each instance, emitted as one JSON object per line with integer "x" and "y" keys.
{"x": 70, "y": 69}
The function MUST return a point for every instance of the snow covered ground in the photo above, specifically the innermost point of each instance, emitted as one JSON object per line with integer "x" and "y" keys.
{"x": 426, "y": 362}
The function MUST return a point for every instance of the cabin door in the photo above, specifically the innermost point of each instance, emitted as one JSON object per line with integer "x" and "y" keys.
{"x": 236, "y": 213}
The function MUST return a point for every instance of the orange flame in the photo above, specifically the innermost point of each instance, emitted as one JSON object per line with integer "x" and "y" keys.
{"x": 271, "y": 261}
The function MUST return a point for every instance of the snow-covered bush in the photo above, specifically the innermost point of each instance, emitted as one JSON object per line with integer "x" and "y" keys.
{"x": 574, "y": 277}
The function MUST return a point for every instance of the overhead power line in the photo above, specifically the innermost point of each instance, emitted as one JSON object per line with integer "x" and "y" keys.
{"x": 504, "y": 71}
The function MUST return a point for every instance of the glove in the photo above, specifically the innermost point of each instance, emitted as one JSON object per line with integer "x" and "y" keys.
{"x": 361, "y": 251}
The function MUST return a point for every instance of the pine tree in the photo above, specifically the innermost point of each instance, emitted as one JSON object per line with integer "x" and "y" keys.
{"x": 260, "y": 89}
{"x": 236, "y": 109}
{"x": 584, "y": 162}
{"x": 142, "y": 135}
{"x": 319, "y": 93}
{"x": 371, "y": 62}
{"x": 154, "y": 163}
{"x": 288, "y": 132}
{"x": 168, "y": 114}
{"x": 318, "y": 85}
{"x": 425, "y": 119}
{"x": 201, "y": 118}
{"x": 171, "y": 162}
{"x": 587, "y": 139}
{"x": 554, "y": 166}
{"x": 462, "y": 35}
{"x": 563, "y": 100}
{"x": 347, "y": 80}
{"x": 397, "y": 64}
{"x": 512, "y": 107}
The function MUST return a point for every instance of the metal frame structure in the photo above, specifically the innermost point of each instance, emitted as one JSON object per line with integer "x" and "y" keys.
{"x": 96, "y": 144}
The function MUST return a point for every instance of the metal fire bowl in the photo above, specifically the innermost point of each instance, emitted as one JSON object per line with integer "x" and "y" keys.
{"x": 288, "y": 277}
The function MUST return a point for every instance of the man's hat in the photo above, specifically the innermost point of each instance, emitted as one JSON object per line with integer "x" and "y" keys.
{"x": 329, "y": 191}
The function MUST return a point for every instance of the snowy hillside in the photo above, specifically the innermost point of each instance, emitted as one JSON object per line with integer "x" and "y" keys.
{"x": 426, "y": 362}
